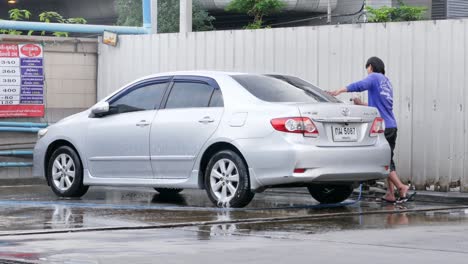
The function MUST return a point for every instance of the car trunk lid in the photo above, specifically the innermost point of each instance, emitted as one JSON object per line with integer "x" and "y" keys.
{"x": 341, "y": 124}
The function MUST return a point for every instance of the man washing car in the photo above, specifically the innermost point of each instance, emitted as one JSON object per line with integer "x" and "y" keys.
{"x": 380, "y": 93}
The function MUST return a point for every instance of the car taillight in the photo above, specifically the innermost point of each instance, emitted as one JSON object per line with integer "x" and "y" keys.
{"x": 377, "y": 127}
{"x": 301, "y": 125}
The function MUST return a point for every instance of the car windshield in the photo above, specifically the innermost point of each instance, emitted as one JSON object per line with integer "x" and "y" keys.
{"x": 281, "y": 88}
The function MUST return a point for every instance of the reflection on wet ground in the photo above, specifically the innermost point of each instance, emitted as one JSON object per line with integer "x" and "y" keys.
{"x": 366, "y": 229}
{"x": 37, "y": 208}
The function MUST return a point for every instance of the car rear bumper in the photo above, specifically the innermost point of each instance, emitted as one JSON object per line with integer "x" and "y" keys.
{"x": 272, "y": 161}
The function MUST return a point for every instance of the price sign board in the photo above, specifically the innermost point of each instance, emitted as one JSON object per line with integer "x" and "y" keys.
{"x": 21, "y": 80}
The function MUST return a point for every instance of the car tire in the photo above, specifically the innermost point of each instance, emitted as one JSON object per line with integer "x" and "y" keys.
{"x": 330, "y": 193}
{"x": 168, "y": 191}
{"x": 65, "y": 173}
{"x": 227, "y": 181}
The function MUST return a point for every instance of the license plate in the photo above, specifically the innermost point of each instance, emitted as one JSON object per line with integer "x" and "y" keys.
{"x": 344, "y": 133}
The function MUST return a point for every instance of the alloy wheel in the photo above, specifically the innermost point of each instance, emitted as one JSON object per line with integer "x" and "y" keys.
{"x": 224, "y": 179}
{"x": 63, "y": 172}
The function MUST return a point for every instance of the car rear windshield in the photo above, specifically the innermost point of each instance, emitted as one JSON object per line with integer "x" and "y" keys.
{"x": 282, "y": 88}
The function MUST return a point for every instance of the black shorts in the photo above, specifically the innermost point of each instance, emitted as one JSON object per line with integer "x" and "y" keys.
{"x": 391, "y": 135}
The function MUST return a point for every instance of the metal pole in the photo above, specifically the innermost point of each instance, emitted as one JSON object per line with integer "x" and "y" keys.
{"x": 22, "y": 124}
{"x": 365, "y": 12}
{"x": 20, "y": 129}
{"x": 185, "y": 16}
{"x": 77, "y": 28}
{"x": 154, "y": 16}
{"x": 146, "y": 14}
{"x": 15, "y": 164}
{"x": 329, "y": 12}
{"x": 16, "y": 152}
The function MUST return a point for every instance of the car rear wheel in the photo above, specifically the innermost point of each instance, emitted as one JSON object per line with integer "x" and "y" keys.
{"x": 330, "y": 193}
{"x": 227, "y": 180}
{"x": 65, "y": 173}
{"x": 167, "y": 191}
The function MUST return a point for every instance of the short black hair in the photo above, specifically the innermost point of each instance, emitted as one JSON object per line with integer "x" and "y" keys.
{"x": 377, "y": 65}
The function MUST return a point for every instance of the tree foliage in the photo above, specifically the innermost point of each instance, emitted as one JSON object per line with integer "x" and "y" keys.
{"x": 130, "y": 14}
{"x": 46, "y": 17}
{"x": 402, "y": 12}
{"x": 168, "y": 17}
{"x": 257, "y": 9}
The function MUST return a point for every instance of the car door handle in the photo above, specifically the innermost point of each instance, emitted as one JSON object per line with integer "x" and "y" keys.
{"x": 206, "y": 120}
{"x": 142, "y": 123}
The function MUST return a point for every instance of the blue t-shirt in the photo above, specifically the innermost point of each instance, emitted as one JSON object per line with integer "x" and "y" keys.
{"x": 380, "y": 95}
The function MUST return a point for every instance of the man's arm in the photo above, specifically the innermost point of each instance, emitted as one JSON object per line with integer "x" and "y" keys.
{"x": 338, "y": 92}
{"x": 359, "y": 86}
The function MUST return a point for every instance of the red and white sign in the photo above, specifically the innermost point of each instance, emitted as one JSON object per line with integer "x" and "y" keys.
{"x": 21, "y": 80}
{"x": 21, "y": 111}
{"x": 30, "y": 51}
{"x": 9, "y": 51}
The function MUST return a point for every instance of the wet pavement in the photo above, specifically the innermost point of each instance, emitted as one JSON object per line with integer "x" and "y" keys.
{"x": 138, "y": 225}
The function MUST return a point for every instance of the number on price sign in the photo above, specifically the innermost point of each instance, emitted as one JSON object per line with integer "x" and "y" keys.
{"x": 10, "y": 81}
{"x": 9, "y": 62}
{"x": 9, "y": 71}
{"x": 9, "y": 90}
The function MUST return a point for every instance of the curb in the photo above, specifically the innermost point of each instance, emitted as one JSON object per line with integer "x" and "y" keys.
{"x": 422, "y": 196}
{"x": 23, "y": 181}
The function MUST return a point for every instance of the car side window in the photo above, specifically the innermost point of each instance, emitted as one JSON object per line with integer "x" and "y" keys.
{"x": 189, "y": 94}
{"x": 217, "y": 99}
{"x": 146, "y": 97}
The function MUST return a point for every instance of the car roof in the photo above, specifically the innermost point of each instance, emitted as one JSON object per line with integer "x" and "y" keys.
{"x": 196, "y": 73}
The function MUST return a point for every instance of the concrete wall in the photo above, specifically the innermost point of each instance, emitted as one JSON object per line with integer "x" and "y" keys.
{"x": 70, "y": 73}
{"x": 427, "y": 62}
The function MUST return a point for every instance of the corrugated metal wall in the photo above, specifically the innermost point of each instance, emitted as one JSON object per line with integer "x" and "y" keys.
{"x": 439, "y": 9}
{"x": 457, "y": 8}
{"x": 443, "y": 9}
{"x": 426, "y": 61}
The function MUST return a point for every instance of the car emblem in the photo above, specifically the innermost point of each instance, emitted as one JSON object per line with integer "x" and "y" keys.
{"x": 345, "y": 111}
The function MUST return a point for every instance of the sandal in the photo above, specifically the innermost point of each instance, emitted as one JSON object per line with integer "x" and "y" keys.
{"x": 407, "y": 198}
{"x": 383, "y": 199}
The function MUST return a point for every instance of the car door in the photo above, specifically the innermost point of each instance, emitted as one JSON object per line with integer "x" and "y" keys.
{"x": 191, "y": 114}
{"x": 118, "y": 143}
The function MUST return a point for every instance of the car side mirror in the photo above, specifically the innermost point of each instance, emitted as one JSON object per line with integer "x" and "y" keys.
{"x": 100, "y": 109}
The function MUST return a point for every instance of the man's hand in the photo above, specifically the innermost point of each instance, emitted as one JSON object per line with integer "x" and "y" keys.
{"x": 358, "y": 101}
{"x": 338, "y": 92}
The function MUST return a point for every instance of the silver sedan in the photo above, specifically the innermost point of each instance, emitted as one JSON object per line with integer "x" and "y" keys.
{"x": 232, "y": 134}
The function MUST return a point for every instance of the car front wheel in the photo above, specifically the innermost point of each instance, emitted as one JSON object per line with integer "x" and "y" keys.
{"x": 227, "y": 180}
{"x": 330, "y": 193}
{"x": 65, "y": 173}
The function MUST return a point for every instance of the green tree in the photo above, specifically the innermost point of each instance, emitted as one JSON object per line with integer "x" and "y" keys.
{"x": 168, "y": 17}
{"x": 19, "y": 14}
{"x": 257, "y": 9}
{"x": 16, "y": 15}
{"x": 402, "y": 12}
{"x": 129, "y": 12}
{"x": 54, "y": 17}
{"x": 46, "y": 17}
